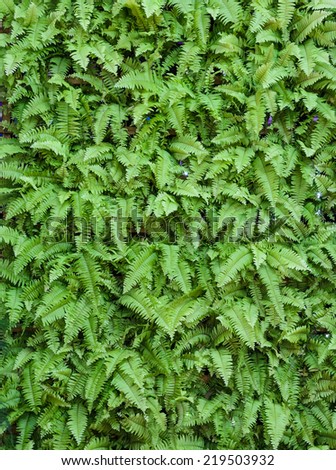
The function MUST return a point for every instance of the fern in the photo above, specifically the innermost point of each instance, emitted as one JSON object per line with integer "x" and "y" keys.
{"x": 267, "y": 178}
{"x": 131, "y": 391}
{"x": 167, "y": 238}
{"x": 77, "y": 421}
{"x": 241, "y": 326}
{"x": 307, "y": 24}
{"x": 26, "y": 426}
{"x": 276, "y": 417}
{"x": 222, "y": 362}
{"x": 271, "y": 282}
{"x": 95, "y": 384}
{"x": 31, "y": 391}
{"x": 241, "y": 258}
{"x": 140, "y": 268}
{"x": 286, "y": 9}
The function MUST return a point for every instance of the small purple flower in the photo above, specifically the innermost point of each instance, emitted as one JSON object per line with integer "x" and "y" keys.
{"x": 181, "y": 162}
{"x": 269, "y": 121}
{"x": 1, "y": 103}
{"x": 148, "y": 118}
{"x": 315, "y": 118}
{"x": 180, "y": 43}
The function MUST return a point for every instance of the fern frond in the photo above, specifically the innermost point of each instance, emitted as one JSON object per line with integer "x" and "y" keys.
{"x": 285, "y": 12}
{"x": 241, "y": 258}
{"x": 276, "y": 418}
{"x": 222, "y": 361}
{"x": 308, "y": 23}
{"x": 25, "y": 426}
{"x": 268, "y": 180}
{"x": 95, "y": 383}
{"x": 77, "y": 421}
{"x": 142, "y": 265}
{"x": 240, "y": 325}
{"x": 271, "y": 282}
{"x": 83, "y": 11}
{"x": 31, "y": 390}
{"x": 131, "y": 391}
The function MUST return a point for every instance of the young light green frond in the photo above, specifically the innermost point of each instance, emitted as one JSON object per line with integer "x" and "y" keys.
{"x": 36, "y": 106}
{"x": 250, "y": 416}
{"x": 102, "y": 120}
{"x": 307, "y": 56}
{"x": 287, "y": 257}
{"x": 83, "y": 12}
{"x": 229, "y": 11}
{"x": 152, "y": 7}
{"x": 285, "y": 12}
{"x": 176, "y": 117}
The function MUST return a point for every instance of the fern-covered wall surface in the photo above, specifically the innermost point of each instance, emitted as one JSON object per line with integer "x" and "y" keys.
{"x": 168, "y": 226}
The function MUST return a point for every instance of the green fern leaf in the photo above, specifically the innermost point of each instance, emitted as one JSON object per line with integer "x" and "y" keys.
{"x": 95, "y": 383}
{"x": 138, "y": 301}
{"x": 31, "y": 390}
{"x": 102, "y": 120}
{"x": 239, "y": 260}
{"x": 222, "y": 361}
{"x": 255, "y": 115}
{"x": 230, "y": 11}
{"x": 142, "y": 265}
{"x": 25, "y": 426}
{"x": 131, "y": 391}
{"x": 202, "y": 23}
{"x": 271, "y": 282}
{"x": 83, "y": 11}
{"x": 287, "y": 257}
{"x": 286, "y": 9}
{"x": 268, "y": 179}
{"x": 176, "y": 117}
{"x": 36, "y": 106}
{"x": 186, "y": 145}
{"x": 77, "y": 421}
{"x": 308, "y": 23}
{"x": 241, "y": 326}
{"x": 276, "y": 420}
{"x": 307, "y": 56}
{"x": 152, "y": 7}
{"x": 251, "y": 409}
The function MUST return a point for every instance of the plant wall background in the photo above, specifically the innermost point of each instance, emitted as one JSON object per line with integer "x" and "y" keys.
{"x": 168, "y": 244}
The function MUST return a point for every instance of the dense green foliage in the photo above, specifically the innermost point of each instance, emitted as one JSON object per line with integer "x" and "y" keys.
{"x": 168, "y": 243}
